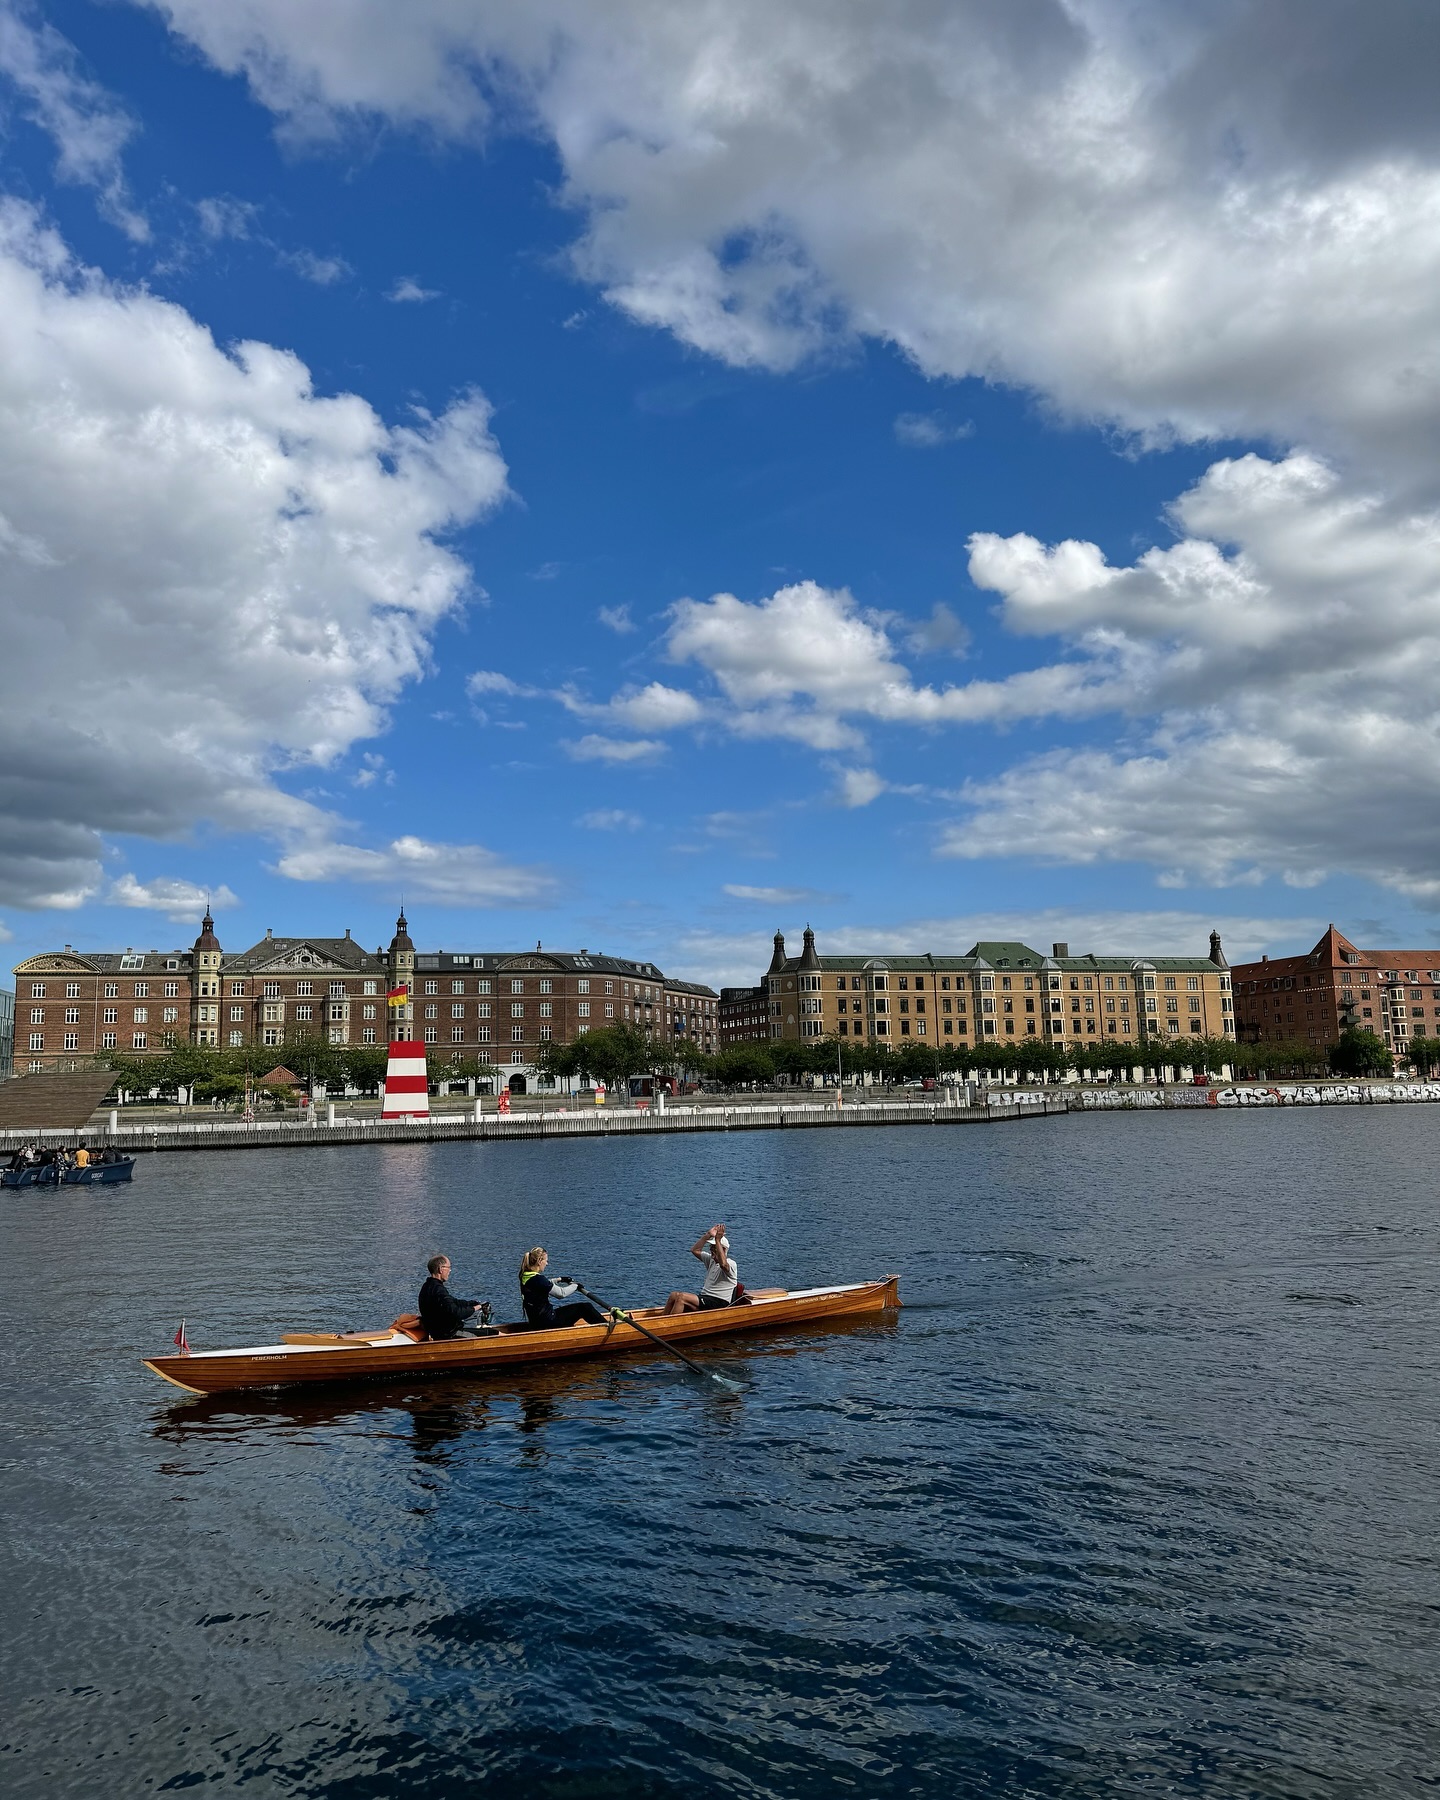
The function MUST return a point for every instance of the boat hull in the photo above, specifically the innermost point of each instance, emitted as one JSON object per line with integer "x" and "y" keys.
{"x": 45, "y": 1175}
{"x": 291, "y": 1365}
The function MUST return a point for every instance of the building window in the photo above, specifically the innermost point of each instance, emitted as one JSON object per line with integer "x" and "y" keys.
{"x": 370, "y": 987}
{"x": 304, "y": 1012}
{"x": 367, "y": 1012}
{"x": 112, "y": 1015}
{"x": 237, "y": 1038}
{"x": 169, "y": 1015}
{"x": 432, "y": 1034}
{"x": 517, "y": 1009}
{"x": 482, "y": 987}
{"x": 137, "y": 1040}
{"x": 142, "y": 1015}
{"x": 457, "y": 1034}
{"x": 609, "y": 1009}
{"x": 457, "y": 1012}
{"x": 72, "y": 1015}
{"x": 107, "y": 1041}
{"x": 112, "y": 990}
{"x": 72, "y": 990}
{"x": 517, "y": 1034}
{"x": 303, "y": 987}
{"x": 518, "y": 987}
{"x": 483, "y": 1035}
{"x": 237, "y": 990}
{"x": 547, "y": 987}
{"x": 142, "y": 990}
{"x": 37, "y": 1015}
{"x": 582, "y": 986}
{"x": 547, "y": 1007}
{"x": 432, "y": 987}
{"x": 172, "y": 988}
{"x": 483, "y": 1009}
{"x": 432, "y": 1011}
{"x": 546, "y": 1034}
{"x": 272, "y": 990}
{"x": 271, "y": 1034}
{"x": 37, "y": 1040}
{"x": 457, "y": 987}
{"x": 37, "y": 990}
{"x": 367, "y": 1034}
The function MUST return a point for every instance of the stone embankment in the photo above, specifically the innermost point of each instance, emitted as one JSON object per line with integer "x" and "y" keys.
{"x": 992, "y": 1107}
{"x": 561, "y": 1123}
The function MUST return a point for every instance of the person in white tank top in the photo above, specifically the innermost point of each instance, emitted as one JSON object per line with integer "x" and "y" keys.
{"x": 721, "y": 1286}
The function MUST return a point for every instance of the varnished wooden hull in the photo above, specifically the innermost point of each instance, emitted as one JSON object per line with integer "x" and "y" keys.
{"x": 289, "y": 1364}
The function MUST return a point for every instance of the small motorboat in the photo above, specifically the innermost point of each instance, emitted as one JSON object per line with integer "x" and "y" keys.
{"x": 400, "y": 1350}
{"x": 104, "y": 1168}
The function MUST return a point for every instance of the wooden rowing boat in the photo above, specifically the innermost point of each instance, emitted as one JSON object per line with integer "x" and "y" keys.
{"x": 315, "y": 1357}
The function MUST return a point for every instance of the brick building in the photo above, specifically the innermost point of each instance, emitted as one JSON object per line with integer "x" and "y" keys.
{"x": 1314, "y": 997}
{"x": 744, "y": 1015}
{"x": 499, "y": 1006}
{"x": 997, "y": 990}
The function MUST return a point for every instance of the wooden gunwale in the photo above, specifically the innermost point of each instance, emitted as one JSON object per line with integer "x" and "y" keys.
{"x": 288, "y": 1365}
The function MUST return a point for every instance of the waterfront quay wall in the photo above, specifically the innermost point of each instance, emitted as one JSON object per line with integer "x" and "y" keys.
{"x": 501, "y": 1128}
{"x": 1285, "y": 1093}
{"x": 993, "y": 1107}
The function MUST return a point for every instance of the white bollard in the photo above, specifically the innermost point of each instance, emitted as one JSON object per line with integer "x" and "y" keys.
{"x": 114, "y": 1119}
{"x": 479, "y": 1109}
{"x": 329, "y": 1112}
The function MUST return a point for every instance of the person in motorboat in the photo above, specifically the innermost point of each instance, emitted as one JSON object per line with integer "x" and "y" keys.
{"x": 721, "y": 1286}
{"x": 82, "y": 1158}
{"x": 536, "y": 1289}
{"x": 441, "y": 1312}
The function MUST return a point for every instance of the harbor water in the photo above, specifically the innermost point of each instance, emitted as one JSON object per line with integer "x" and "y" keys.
{"x": 1135, "y": 1496}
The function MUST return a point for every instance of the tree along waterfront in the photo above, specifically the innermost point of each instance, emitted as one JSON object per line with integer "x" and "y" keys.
{"x": 615, "y": 1054}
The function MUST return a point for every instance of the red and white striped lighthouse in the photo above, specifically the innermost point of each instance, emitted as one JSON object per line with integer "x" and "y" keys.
{"x": 407, "y": 1086}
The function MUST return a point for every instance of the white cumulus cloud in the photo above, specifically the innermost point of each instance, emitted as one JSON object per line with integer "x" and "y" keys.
{"x": 210, "y": 574}
{"x": 439, "y": 874}
{"x": 178, "y": 900}
{"x": 1217, "y": 223}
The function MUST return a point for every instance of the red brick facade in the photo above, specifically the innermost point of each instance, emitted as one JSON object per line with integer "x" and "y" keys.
{"x": 497, "y": 1006}
{"x": 1314, "y": 997}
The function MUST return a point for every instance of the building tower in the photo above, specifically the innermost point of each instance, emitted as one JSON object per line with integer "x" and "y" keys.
{"x": 205, "y": 985}
{"x": 1217, "y": 955}
{"x": 400, "y": 972}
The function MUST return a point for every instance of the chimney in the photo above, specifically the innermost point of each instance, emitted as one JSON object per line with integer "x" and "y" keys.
{"x": 347, "y": 933}
{"x": 1059, "y": 949}
{"x": 269, "y": 934}
{"x": 1264, "y": 958}
{"x": 67, "y": 946}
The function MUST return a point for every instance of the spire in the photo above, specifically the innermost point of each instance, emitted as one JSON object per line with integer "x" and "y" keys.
{"x": 808, "y": 959}
{"x": 1217, "y": 955}
{"x": 207, "y": 939}
{"x": 777, "y": 961}
{"x": 401, "y": 939}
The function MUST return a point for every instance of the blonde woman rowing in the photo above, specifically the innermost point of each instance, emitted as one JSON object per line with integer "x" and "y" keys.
{"x": 536, "y": 1289}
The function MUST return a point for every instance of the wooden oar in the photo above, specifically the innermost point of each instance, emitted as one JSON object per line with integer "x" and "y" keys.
{"x": 629, "y": 1319}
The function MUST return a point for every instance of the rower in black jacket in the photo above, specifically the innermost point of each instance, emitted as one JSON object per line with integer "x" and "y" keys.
{"x": 442, "y": 1315}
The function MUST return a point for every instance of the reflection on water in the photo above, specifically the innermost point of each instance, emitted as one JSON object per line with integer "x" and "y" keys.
{"x": 1135, "y": 1495}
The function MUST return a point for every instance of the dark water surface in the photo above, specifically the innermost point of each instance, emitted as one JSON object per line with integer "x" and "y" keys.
{"x": 1136, "y": 1496}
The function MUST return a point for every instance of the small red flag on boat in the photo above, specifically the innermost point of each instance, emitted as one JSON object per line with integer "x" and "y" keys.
{"x": 181, "y": 1340}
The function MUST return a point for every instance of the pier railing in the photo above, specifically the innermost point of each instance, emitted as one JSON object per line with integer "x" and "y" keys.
{"x": 593, "y": 1122}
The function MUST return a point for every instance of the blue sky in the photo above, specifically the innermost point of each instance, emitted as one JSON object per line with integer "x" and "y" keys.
{"x": 469, "y": 649}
